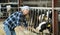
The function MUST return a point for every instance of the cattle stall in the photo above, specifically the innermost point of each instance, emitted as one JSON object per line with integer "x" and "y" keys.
{"x": 40, "y": 19}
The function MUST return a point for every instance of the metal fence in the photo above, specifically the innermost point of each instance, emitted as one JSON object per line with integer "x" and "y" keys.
{"x": 39, "y": 15}
{"x": 36, "y": 17}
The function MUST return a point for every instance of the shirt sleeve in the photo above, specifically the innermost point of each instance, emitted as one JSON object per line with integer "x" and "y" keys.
{"x": 10, "y": 21}
{"x": 25, "y": 23}
{"x": 18, "y": 19}
{"x": 21, "y": 18}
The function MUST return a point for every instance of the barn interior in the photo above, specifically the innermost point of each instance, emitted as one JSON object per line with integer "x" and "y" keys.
{"x": 41, "y": 11}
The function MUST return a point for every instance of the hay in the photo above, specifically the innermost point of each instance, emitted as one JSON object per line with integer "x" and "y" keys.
{"x": 2, "y": 32}
{"x": 25, "y": 32}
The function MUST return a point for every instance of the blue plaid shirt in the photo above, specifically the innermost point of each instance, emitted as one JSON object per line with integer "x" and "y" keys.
{"x": 16, "y": 19}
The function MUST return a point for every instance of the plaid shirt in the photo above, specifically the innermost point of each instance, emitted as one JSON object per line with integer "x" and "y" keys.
{"x": 16, "y": 19}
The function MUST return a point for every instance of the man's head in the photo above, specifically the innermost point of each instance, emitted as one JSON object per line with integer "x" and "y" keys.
{"x": 25, "y": 9}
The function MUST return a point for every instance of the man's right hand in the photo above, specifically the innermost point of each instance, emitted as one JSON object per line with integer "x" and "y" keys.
{"x": 19, "y": 28}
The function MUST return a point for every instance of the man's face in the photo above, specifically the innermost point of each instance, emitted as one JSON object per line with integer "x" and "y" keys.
{"x": 25, "y": 12}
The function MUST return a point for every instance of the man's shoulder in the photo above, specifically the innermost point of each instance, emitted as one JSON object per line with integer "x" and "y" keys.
{"x": 18, "y": 12}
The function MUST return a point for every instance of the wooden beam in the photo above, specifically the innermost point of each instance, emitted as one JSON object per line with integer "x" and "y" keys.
{"x": 55, "y": 22}
{"x": 19, "y": 4}
{"x": 55, "y": 3}
{"x": 55, "y": 19}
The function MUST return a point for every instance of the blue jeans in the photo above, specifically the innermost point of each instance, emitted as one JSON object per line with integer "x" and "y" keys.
{"x": 8, "y": 31}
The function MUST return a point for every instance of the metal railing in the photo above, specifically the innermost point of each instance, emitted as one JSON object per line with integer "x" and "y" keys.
{"x": 36, "y": 16}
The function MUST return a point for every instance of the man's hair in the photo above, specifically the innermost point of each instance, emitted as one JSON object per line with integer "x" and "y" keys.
{"x": 25, "y": 7}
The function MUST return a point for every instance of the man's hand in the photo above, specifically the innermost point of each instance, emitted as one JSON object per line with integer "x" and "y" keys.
{"x": 32, "y": 28}
{"x": 19, "y": 28}
{"x": 28, "y": 27}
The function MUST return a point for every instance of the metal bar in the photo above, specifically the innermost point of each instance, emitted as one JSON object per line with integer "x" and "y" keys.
{"x": 10, "y": 3}
{"x": 53, "y": 16}
{"x": 56, "y": 8}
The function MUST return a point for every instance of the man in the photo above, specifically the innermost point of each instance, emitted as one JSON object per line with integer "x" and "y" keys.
{"x": 16, "y": 19}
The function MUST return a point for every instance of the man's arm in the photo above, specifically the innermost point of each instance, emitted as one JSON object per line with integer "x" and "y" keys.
{"x": 19, "y": 19}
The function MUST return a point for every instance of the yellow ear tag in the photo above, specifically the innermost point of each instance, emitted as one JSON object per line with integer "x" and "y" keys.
{"x": 49, "y": 25}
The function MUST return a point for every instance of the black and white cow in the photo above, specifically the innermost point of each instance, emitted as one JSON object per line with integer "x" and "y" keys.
{"x": 46, "y": 23}
{"x": 37, "y": 16}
